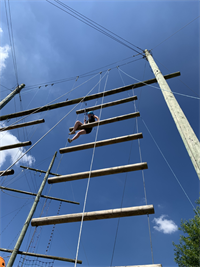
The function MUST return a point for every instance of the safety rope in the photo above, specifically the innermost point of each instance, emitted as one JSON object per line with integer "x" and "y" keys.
{"x": 140, "y": 154}
{"x": 178, "y": 122}
{"x": 177, "y": 77}
{"x": 157, "y": 143}
{"x": 158, "y": 88}
{"x": 88, "y": 182}
{"x": 118, "y": 221}
{"x": 50, "y": 129}
{"x": 145, "y": 193}
{"x": 14, "y": 217}
{"x": 37, "y": 110}
{"x": 60, "y": 204}
{"x": 12, "y": 179}
{"x": 168, "y": 164}
{"x": 51, "y": 235}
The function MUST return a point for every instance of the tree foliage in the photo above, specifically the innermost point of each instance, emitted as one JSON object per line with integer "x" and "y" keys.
{"x": 187, "y": 252}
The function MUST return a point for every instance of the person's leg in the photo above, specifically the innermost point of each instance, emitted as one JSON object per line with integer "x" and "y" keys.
{"x": 77, "y": 123}
{"x": 77, "y": 135}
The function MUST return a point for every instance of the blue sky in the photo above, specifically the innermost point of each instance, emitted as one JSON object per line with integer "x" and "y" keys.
{"x": 51, "y": 45}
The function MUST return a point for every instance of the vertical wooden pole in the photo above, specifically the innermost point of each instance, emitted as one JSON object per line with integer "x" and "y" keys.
{"x": 188, "y": 136}
{"x": 11, "y": 95}
{"x": 30, "y": 215}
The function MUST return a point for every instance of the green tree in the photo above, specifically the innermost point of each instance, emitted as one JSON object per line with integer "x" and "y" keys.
{"x": 187, "y": 252}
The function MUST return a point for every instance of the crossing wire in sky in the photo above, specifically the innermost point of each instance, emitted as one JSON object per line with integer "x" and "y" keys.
{"x": 175, "y": 33}
{"x": 72, "y": 12}
{"x": 10, "y": 33}
{"x": 89, "y": 73}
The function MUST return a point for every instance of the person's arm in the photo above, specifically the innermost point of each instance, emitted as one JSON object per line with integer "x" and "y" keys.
{"x": 85, "y": 121}
{"x": 96, "y": 117}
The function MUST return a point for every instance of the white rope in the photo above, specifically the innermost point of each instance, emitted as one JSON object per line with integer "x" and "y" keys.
{"x": 31, "y": 197}
{"x": 140, "y": 154}
{"x": 189, "y": 96}
{"x": 80, "y": 75}
{"x": 33, "y": 98}
{"x": 12, "y": 180}
{"x": 54, "y": 100}
{"x": 158, "y": 145}
{"x": 169, "y": 165}
{"x": 98, "y": 89}
{"x": 51, "y": 129}
{"x": 88, "y": 183}
{"x": 60, "y": 158}
{"x": 145, "y": 193}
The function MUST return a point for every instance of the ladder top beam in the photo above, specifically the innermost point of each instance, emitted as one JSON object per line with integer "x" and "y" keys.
{"x": 28, "y": 143}
{"x": 40, "y": 255}
{"x": 110, "y": 120}
{"x": 102, "y": 143}
{"x": 87, "y": 98}
{"x": 11, "y": 127}
{"x": 109, "y": 104}
{"x": 94, "y": 215}
{"x": 96, "y": 173}
{"x": 9, "y": 172}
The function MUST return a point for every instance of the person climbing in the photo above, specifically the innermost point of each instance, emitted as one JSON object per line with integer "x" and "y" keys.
{"x": 91, "y": 118}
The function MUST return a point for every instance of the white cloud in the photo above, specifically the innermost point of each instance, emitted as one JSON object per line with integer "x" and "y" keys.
{"x": 164, "y": 225}
{"x": 4, "y": 54}
{"x": 6, "y": 138}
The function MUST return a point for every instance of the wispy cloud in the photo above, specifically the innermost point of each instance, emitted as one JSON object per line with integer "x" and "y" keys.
{"x": 6, "y": 138}
{"x": 164, "y": 225}
{"x": 4, "y": 54}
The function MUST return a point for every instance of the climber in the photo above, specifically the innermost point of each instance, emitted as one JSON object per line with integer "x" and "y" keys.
{"x": 91, "y": 118}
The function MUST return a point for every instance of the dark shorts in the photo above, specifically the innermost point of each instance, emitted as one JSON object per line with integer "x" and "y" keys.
{"x": 88, "y": 130}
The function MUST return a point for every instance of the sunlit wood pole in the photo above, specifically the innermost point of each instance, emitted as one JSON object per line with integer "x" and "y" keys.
{"x": 29, "y": 217}
{"x": 11, "y": 95}
{"x": 188, "y": 136}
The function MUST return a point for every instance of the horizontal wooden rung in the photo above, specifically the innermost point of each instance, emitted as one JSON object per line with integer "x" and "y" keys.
{"x": 86, "y": 98}
{"x": 94, "y": 215}
{"x": 40, "y": 171}
{"x": 5, "y": 173}
{"x": 110, "y": 120}
{"x": 102, "y": 143}
{"x": 34, "y": 194}
{"x": 41, "y": 255}
{"x": 25, "y": 124}
{"x": 109, "y": 104}
{"x": 28, "y": 143}
{"x": 96, "y": 173}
